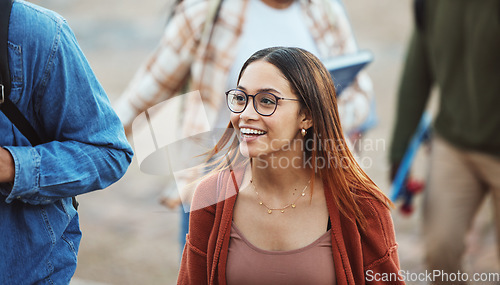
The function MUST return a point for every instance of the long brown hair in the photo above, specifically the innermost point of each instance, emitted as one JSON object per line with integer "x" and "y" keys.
{"x": 312, "y": 83}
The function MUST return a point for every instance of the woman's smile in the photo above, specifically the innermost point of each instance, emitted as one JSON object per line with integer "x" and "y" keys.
{"x": 248, "y": 134}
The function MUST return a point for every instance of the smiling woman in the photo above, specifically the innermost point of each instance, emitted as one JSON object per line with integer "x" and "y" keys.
{"x": 293, "y": 206}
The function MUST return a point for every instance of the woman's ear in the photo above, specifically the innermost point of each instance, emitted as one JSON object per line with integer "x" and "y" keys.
{"x": 306, "y": 119}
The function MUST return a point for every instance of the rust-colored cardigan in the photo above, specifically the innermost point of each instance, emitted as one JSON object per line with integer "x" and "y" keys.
{"x": 354, "y": 252}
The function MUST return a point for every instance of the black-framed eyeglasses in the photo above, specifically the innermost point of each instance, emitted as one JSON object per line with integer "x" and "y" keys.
{"x": 263, "y": 102}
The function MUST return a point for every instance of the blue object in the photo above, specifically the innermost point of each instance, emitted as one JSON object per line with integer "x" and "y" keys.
{"x": 420, "y": 135}
{"x": 184, "y": 227}
{"x": 344, "y": 68}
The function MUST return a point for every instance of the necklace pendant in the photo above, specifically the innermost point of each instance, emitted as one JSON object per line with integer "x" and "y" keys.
{"x": 282, "y": 211}
{"x": 303, "y": 194}
{"x": 269, "y": 211}
{"x": 293, "y": 206}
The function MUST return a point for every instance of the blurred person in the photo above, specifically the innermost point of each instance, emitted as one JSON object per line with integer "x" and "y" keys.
{"x": 205, "y": 44}
{"x": 256, "y": 220}
{"x": 84, "y": 148}
{"x": 454, "y": 47}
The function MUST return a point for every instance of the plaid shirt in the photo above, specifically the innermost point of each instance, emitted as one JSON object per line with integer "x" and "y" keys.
{"x": 184, "y": 55}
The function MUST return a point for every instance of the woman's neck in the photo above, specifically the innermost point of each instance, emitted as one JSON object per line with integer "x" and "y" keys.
{"x": 272, "y": 177}
{"x": 278, "y": 4}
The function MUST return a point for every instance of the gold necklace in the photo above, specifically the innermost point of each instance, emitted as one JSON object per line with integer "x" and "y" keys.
{"x": 282, "y": 209}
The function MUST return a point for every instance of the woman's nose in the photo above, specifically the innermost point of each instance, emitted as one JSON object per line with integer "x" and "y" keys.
{"x": 249, "y": 113}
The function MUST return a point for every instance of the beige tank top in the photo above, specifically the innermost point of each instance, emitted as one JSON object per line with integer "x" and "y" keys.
{"x": 250, "y": 265}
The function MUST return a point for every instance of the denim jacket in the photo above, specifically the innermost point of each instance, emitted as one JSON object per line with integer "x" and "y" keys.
{"x": 55, "y": 88}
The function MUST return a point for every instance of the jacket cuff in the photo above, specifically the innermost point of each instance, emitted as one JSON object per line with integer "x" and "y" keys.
{"x": 27, "y": 173}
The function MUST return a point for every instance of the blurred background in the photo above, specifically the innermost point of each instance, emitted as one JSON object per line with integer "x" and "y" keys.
{"x": 129, "y": 238}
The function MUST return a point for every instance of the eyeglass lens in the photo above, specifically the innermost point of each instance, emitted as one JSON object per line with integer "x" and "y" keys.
{"x": 264, "y": 103}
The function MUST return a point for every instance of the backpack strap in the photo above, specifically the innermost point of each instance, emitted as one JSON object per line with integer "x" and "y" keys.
{"x": 17, "y": 118}
{"x": 6, "y": 106}
{"x": 5, "y": 7}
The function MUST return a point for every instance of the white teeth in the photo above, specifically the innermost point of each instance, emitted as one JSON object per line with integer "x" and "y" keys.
{"x": 247, "y": 131}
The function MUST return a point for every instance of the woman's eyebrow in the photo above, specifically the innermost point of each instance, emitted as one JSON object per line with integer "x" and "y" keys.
{"x": 269, "y": 90}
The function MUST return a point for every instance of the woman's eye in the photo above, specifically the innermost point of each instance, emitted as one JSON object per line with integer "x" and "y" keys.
{"x": 268, "y": 100}
{"x": 240, "y": 98}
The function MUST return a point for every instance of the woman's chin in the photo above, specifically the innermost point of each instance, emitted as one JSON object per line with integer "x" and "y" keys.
{"x": 251, "y": 151}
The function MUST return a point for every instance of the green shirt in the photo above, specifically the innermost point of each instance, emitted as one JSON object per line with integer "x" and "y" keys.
{"x": 458, "y": 51}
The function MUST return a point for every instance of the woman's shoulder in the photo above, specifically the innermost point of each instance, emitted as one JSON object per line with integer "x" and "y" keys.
{"x": 216, "y": 187}
{"x": 190, "y": 14}
{"x": 375, "y": 208}
{"x": 205, "y": 192}
{"x": 374, "y": 201}
{"x": 199, "y": 11}
{"x": 192, "y": 5}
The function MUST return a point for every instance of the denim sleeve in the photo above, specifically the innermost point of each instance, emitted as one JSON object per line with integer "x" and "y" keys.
{"x": 87, "y": 148}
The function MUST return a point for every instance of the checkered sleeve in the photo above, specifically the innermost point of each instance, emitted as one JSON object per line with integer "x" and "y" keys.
{"x": 167, "y": 68}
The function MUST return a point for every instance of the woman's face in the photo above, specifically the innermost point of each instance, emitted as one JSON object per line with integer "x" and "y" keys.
{"x": 259, "y": 135}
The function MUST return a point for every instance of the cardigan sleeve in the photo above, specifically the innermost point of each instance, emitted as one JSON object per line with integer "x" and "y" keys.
{"x": 380, "y": 257}
{"x": 194, "y": 263}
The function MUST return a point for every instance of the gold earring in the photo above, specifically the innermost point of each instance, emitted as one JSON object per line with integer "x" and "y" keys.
{"x": 303, "y": 132}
